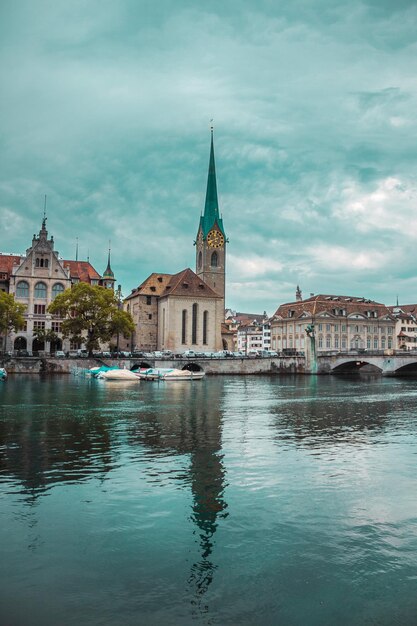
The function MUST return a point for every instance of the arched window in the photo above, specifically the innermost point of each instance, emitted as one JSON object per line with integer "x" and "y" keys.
{"x": 184, "y": 327}
{"x": 46, "y": 262}
{"x": 200, "y": 259}
{"x": 37, "y": 263}
{"x": 205, "y": 325}
{"x": 40, "y": 291}
{"x": 214, "y": 259}
{"x": 56, "y": 290}
{"x": 194, "y": 324}
{"x": 22, "y": 289}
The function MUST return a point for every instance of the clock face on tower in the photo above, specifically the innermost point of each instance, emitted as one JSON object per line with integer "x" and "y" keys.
{"x": 215, "y": 239}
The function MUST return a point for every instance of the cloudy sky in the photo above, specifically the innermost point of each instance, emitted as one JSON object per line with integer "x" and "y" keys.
{"x": 106, "y": 108}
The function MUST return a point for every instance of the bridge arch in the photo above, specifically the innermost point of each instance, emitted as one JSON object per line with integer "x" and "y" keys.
{"x": 355, "y": 366}
{"x": 407, "y": 370}
{"x": 193, "y": 367}
{"x": 141, "y": 365}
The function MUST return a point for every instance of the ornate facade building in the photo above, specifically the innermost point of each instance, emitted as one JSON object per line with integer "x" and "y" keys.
{"x": 341, "y": 323}
{"x": 35, "y": 279}
{"x": 186, "y": 310}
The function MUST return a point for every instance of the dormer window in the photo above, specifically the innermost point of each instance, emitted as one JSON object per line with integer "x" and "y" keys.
{"x": 159, "y": 279}
{"x": 153, "y": 288}
{"x": 185, "y": 285}
{"x": 201, "y": 286}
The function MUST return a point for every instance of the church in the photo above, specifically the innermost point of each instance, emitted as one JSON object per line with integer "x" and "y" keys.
{"x": 186, "y": 310}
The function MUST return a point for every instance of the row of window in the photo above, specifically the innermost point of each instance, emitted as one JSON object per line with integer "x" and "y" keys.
{"x": 194, "y": 325}
{"x": 37, "y": 325}
{"x": 40, "y": 291}
{"x": 337, "y": 343}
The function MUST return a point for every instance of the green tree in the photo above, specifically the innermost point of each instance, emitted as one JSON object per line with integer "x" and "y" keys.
{"x": 46, "y": 335}
{"x": 11, "y": 314}
{"x": 91, "y": 315}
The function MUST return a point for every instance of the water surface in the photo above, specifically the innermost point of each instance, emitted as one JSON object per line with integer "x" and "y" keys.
{"x": 241, "y": 500}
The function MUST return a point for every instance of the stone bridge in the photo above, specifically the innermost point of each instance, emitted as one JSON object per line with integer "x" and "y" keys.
{"x": 399, "y": 363}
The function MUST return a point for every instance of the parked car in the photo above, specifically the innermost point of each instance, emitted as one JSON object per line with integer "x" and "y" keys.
{"x": 239, "y": 354}
{"x": 23, "y": 353}
{"x": 59, "y": 354}
{"x": 189, "y": 354}
{"x": 253, "y": 354}
{"x": 106, "y": 354}
{"x": 157, "y": 354}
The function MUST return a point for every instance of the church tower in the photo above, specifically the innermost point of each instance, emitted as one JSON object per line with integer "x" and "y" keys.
{"x": 211, "y": 239}
{"x": 108, "y": 276}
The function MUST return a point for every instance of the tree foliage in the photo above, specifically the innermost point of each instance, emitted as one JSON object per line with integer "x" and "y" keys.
{"x": 91, "y": 315}
{"x": 11, "y": 314}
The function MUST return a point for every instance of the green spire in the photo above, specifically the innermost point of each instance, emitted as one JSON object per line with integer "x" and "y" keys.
{"x": 108, "y": 273}
{"x": 211, "y": 208}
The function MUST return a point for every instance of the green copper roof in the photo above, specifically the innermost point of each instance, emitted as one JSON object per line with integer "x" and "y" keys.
{"x": 211, "y": 209}
{"x": 108, "y": 271}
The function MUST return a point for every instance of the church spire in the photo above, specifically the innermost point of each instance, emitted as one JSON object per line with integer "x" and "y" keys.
{"x": 211, "y": 208}
{"x": 108, "y": 273}
{"x": 108, "y": 276}
{"x": 211, "y": 215}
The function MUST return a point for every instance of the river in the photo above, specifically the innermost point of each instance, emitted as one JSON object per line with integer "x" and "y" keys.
{"x": 233, "y": 500}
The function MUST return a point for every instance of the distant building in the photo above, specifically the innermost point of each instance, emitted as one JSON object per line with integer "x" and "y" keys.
{"x": 341, "y": 323}
{"x": 35, "y": 279}
{"x": 251, "y": 331}
{"x": 406, "y": 326}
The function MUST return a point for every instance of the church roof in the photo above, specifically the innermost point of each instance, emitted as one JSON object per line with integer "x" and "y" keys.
{"x": 211, "y": 216}
{"x": 154, "y": 285}
{"x": 187, "y": 283}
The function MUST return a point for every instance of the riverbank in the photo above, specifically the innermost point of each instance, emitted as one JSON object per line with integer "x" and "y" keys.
{"x": 44, "y": 365}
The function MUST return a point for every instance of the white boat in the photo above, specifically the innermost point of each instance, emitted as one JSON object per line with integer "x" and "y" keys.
{"x": 167, "y": 373}
{"x": 181, "y": 375}
{"x": 3, "y": 373}
{"x": 118, "y": 375}
{"x": 148, "y": 373}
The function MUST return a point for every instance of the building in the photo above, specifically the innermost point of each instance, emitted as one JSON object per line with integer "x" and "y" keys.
{"x": 341, "y": 323}
{"x": 406, "y": 326}
{"x": 186, "y": 310}
{"x": 35, "y": 279}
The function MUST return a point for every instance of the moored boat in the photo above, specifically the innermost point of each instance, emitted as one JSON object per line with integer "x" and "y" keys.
{"x": 167, "y": 373}
{"x": 116, "y": 374}
{"x": 3, "y": 373}
{"x": 175, "y": 374}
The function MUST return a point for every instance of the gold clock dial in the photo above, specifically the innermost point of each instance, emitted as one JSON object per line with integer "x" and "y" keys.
{"x": 215, "y": 239}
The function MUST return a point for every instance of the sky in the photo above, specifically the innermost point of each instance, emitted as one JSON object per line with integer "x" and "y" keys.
{"x": 106, "y": 109}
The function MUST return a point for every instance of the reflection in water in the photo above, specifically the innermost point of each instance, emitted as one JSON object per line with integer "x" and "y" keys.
{"x": 80, "y": 437}
{"x": 191, "y": 424}
{"x": 346, "y": 412}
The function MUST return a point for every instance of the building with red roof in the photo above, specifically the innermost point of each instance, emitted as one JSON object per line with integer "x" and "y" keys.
{"x": 35, "y": 279}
